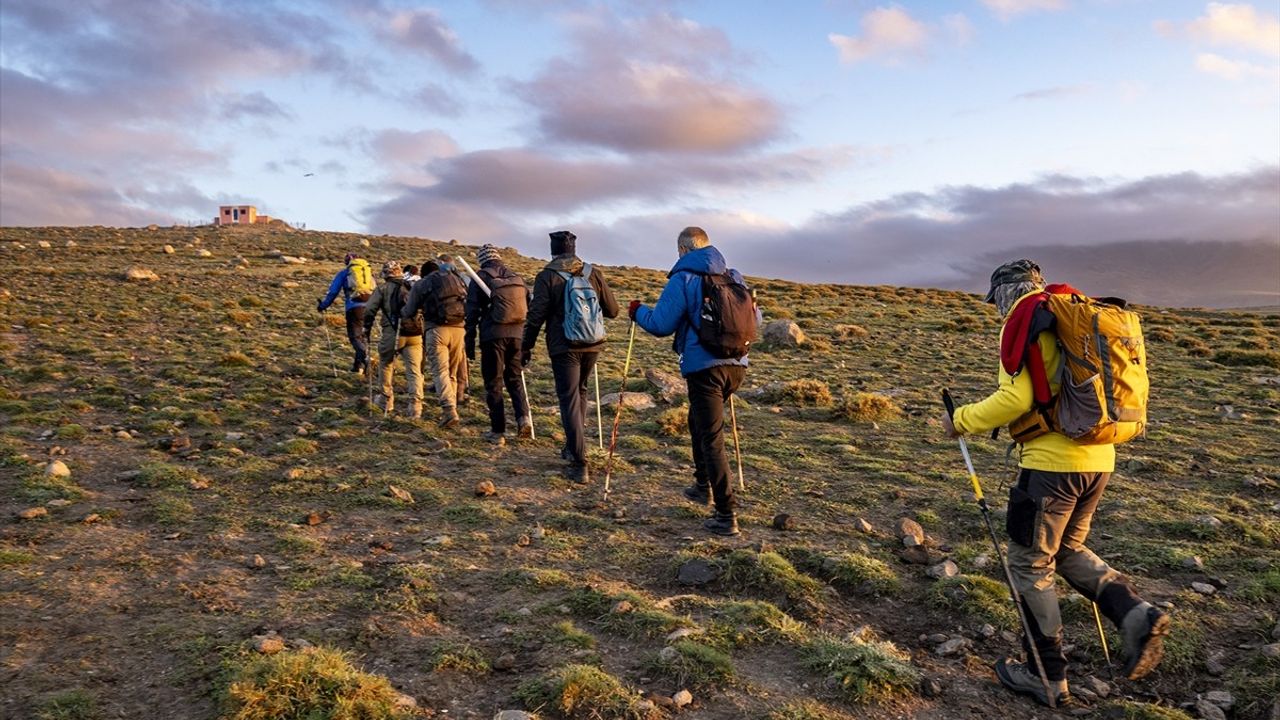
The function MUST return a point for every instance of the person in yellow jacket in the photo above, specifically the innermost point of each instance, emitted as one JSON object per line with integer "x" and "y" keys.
{"x": 1051, "y": 507}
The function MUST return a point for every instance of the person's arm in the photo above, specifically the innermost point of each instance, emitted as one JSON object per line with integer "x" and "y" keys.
{"x": 1010, "y": 401}
{"x": 414, "y": 303}
{"x": 372, "y": 307}
{"x": 335, "y": 286}
{"x": 475, "y": 310}
{"x": 665, "y": 317}
{"x": 608, "y": 303}
{"x": 539, "y": 306}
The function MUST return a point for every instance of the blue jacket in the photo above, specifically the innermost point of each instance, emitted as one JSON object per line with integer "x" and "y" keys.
{"x": 677, "y": 310}
{"x": 340, "y": 284}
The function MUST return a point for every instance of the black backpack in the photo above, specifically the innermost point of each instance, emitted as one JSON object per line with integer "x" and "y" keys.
{"x": 451, "y": 298}
{"x": 408, "y": 327}
{"x": 728, "y": 317}
{"x": 508, "y": 300}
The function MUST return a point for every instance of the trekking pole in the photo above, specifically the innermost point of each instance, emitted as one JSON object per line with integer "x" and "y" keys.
{"x": 617, "y": 417}
{"x": 368, "y": 368}
{"x": 599, "y": 412}
{"x": 737, "y": 445}
{"x": 328, "y": 338}
{"x": 525, "y": 386}
{"x": 1004, "y": 563}
{"x": 1102, "y": 636}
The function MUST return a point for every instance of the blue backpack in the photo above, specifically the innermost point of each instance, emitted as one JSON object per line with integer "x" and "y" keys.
{"x": 583, "y": 318}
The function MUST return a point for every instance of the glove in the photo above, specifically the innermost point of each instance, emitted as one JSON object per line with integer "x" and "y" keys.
{"x": 320, "y": 305}
{"x": 526, "y": 358}
{"x": 632, "y": 308}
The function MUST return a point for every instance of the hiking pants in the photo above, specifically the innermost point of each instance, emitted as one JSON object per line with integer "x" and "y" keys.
{"x": 500, "y": 365}
{"x": 709, "y": 390}
{"x": 571, "y": 371}
{"x": 443, "y": 344}
{"x": 355, "y": 335}
{"x": 410, "y": 351}
{"x": 1048, "y": 521}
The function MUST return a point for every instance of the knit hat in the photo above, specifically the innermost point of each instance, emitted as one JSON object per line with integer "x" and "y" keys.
{"x": 391, "y": 269}
{"x": 487, "y": 253}
{"x": 1018, "y": 271}
{"x": 562, "y": 243}
{"x": 350, "y": 256}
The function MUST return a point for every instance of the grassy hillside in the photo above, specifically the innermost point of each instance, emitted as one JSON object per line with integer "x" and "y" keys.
{"x": 229, "y": 496}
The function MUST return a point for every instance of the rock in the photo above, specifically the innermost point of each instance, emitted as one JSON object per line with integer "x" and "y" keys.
{"x": 862, "y": 526}
{"x": 514, "y": 715}
{"x": 32, "y": 513}
{"x": 668, "y": 654}
{"x": 783, "y": 333}
{"x": 1193, "y": 563}
{"x": 405, "y": 703}
{"x": 296, "y": 473}
{"x": 1214, "y": 666}
{"x": 783, "y": 521}
{"x": 1228, "y": 412}
{"x": 682, "y": 698}
{"x": 936, "y": 638}
{"x": 1209, "y": 711}
{"x": 621, "y": 607}
{"x": 1275, "y": 632}
{"x": 289, "y": 284}
{"x": 1221, "y": 698}
{"x": 57, "y": 469}
{"x": 909, "y": 532}
{"x": 1271, "y": 651}
{"x": 668, "y": 385}
{"x": 944, "y": 569}
{"x": 268, "y": 644}
{"x": 679, "y": 633}
{"x": 140, "y": 274}
{"x": 72, "y": 243}
{"x": 291, "y": 260}
{"x": 504, "y": 662}
{"x": 930, "y": 687}
{"x": 400, "y": 494}
{"x": 91, "y": 518}
{"x": 58, "y": 502}
{"x": 631, "y": 401}
{"x": 697, "y": 572}
{"x": 987, "y": 631}
{"x": 919, "y": 555}
{"x": 485, "y": 488}
{"x": 951, "y": 647}
{"x": 124, "y": 435}
{"x": 44, "y": 243}
{"x": 1203, "y": 588}
{"x": 439, "y": 540}
{"x": 982, "y": 562}
{"x": 256, "y": 562}
{"x": 1208, "y": 521}
{"x": 203, "y": 253}
{"x": 1099, "y": 687}
{"x": 167, "y": 250}
{"x": 315, "y": 518}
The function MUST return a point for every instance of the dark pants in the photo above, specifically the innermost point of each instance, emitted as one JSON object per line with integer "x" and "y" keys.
{"x": 355, "y": 334}
{"x": 1048, "y": 521}
{"x": 500, "y": 365}
{"x": 572, "y": 370}
{"x": 709, "y": 390}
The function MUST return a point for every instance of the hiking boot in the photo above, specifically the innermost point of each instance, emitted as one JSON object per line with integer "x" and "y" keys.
{"x": 722, "y": 524}
{"x": 448, "y": 418}
{"x": 1143, "y": 629}
{"x": 578, "y": 473}
{"x": 524, "y": 428}
{"x": 496, "y": 438}
{"x": 700, "y": 494}
{"x": 1020, "y": 678}
{"x": 386, "y": 404}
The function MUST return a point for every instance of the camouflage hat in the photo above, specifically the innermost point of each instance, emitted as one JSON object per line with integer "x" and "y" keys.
{"x": 391, "y": 269}
{"x": 1018, "y": 271}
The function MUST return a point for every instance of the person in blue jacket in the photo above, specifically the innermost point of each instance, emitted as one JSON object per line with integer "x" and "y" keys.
{"x": 354, "y": 306}
{"x": 711, "y": 380}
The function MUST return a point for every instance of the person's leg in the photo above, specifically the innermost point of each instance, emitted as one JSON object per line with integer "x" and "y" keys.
{"x": 438, "y": 348}
{"x": 707, "y": 392}
{"x": 458, "y": 363}
{"x": 511, "y": 377}
{"x": 411, "y": 353}
{"x": 566, "y": 367}
{"x": 491, "y": 362}
{"x": 387, "y": 359}
{"x": 355, "y": 335}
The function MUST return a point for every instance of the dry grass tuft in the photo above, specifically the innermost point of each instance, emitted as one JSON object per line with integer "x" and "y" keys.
{"x": 868, "y": 407}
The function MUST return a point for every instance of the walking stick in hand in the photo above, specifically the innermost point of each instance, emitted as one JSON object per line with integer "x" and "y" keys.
{"x": 617, "y": 417}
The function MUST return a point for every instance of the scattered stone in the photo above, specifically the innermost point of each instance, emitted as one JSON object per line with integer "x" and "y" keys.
{"x": 621, "y": 607}
{"x": 57, "y": 469}
{"x": 296, "y": 473}
{"x": 668, "y": 654}
{"x": 951, "y": 647}
{"x": 668, "y": 385}
{"x": 1221, "y": 698}
{"x": 485, "y": 488}
{"x": 91, "y": 518}
{"x": 783, "y": 333}
{"x": 400, "y": 494}
{"x": 987, "y": 631}
{"x": 439, "y": 540}
{"x": 1203, "y": 588}
{"x": 514, "y": 715}
{"x": 140, "y": 274}
{"x": 504, "y": 662}
{"x": 273, "y": 253}
{"x": 936, "y": 638}
{"x": 632, "y": 401}
{"x": 930, "y": 687}
{"x": 909, "y": 532}
{"x": 32, "y": 513}
{"x": 1275, "y": 632}
{"x": 289, "y": 284}
{"x": 1271, "y": 651}
{"x": 58, "y": 502}
{"x": 291, "y": 260}
{"x": 682, "y": 698}
{"x": 124, "y": 435}
{"x": 982, "y": 562}
{"x": 944, "y": 569}
{"x": 1099, "y": 687}
{"x": 862, "y": 526}
{"x": 268, "y": 644}
{"x": 405, "y": 703}
{"x": 679, "y": 633}
{"x": 783, "y": 521}
{"x": 1229, "y": 412}
{"x": 1208, "y": 521}
{"x": 257, "y": 562}
{"x": 1214, "y": 666}
{"x": 203, "y": 253}
{"x": 697, "y": 572}
{"x": 524, "y": 612}
{"x": 72, "y": 243}
{"x": 167, "y": 250}
{"x": 919, "y": 555}
{"x": 1209, "y": 711}
{"x": 315, "y": 518}
{"x": 1193, "y": 563}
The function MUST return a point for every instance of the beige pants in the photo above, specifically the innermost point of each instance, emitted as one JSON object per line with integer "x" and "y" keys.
{"x": 443, "y": 346}
{"x": 410, "y": 351}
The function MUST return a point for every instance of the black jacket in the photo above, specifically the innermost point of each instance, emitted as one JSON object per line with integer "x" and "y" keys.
{"x": 422, "y": 298}
{"x": 547, "y": 305}
{"x": 478, "y": 308}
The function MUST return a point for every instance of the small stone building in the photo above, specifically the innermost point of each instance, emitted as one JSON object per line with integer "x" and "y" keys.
{"x": 239, "y": 215}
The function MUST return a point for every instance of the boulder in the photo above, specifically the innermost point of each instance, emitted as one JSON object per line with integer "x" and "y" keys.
{"x": 697, "y": 572}
{"x": 632, "y": 401}
{"x": 140, "y": 274}
{"x": 944, "y": 569}
{"x": 668, "y": 385}
{"x": 909, "y": 532}
{"x": 783, "y": 333}
{"x": 57, "y": 469}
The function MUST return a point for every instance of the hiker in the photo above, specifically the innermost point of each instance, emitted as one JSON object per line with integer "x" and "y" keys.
{"x": 712, "y": 374}
{"x": 400, "y": 335}
{"x": 411, "y": 274}
{"x": 1059, "y": 485}
{"x": 497, "y": 317}
{"x": 574, "y": 340}
{"x": 355, "y": 281}
{"x": 441, "y": 298}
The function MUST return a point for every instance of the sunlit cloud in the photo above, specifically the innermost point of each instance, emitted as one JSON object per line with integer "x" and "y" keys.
{"x": 1008, "y": 9}
{"x": 1235, "y": 26}
{"x": 888, "y": 33}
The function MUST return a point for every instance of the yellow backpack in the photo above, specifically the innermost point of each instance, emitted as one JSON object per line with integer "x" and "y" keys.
{"x": 360, "y": 279}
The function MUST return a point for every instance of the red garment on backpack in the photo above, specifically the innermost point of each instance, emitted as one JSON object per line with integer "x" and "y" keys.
{"x": 1020, "y": 345}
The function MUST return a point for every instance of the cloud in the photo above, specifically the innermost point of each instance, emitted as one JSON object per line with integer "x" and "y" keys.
{"x": 422, "y": 31}
{"x": 254, "y": 105}
{"x": 1052, "y": 93}
{"x": 1226, "y": 69}
{"x": 1236, "y": 26}
{"x": 1008, "y": 9}
{"x": 888, "y": 33}
{"x": 655, "y": 84}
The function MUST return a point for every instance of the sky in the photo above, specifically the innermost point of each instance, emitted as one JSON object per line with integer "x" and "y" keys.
{"x": 1131, "y": 142}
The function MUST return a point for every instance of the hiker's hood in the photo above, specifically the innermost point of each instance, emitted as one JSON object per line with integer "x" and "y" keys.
{"x": 566, "y": 263}
{"x": 703, "y": 260}
{"x": 497, "y": 269}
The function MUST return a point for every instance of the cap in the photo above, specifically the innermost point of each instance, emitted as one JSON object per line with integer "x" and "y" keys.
{"x": 1018, "y": 271}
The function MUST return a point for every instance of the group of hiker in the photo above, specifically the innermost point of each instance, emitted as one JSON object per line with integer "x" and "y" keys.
{"x": 1070, "y": 386}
